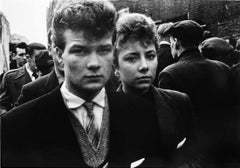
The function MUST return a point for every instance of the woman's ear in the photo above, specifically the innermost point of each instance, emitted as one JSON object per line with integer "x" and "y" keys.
{"x": 117, "y": 73}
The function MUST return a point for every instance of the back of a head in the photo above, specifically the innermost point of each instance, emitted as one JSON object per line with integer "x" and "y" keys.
{"x": 35, "y": 46}
{"x": 188, "y": 32}
{"x": 95, "y": 17}
{"x": 215, "y": 47}
{"x": 162, "y": 29}
{"x": 44, "y": 61}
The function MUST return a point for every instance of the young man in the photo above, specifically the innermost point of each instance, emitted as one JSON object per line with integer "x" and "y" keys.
{"x": 80, "y": 123}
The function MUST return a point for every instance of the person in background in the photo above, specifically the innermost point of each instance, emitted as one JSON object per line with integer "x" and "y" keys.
{"x": 216, "y": 48}
{"x": 13, "y": 80}
{"x": 20, "y": 52}
{"x": 164, "y": 52}
{"x": 208, "y": 85}
{"x": 44, "y": 63}
{"x": 136, "y": 63}
{"x": 46, "y": 83}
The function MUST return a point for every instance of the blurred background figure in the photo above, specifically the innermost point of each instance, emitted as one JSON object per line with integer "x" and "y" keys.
{"x": 19, "y": 55}
{"x": 208, "y": 85}
{"x": 164, "y": 51}
{"x": 216, "y": 48}
{"x": 44, "y": 63}
{"x": 13, "y": 80}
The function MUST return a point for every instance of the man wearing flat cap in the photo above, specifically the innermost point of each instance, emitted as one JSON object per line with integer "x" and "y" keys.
{"x": 207, "y": 82}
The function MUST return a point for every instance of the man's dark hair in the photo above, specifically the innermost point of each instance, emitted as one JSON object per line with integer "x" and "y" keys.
{"x": 35, "y": 46}
{"x": 95, "y": 17}
{"x": 21, "y": 45}
{"x": 135, "y": 26}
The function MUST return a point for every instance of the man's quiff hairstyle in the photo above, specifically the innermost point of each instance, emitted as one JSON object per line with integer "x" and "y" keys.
{"x": 96, "y": 17}
{"x": 135, "y": 26}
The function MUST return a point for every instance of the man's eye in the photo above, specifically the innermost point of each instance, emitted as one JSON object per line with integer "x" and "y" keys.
{"x": 80, "y": 51}
{"x": 105, "y": 50}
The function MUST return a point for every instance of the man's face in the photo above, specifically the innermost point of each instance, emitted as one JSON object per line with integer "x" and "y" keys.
{"x": 21, "y": 57}
{"x": 87, "y": 63}
{"x": 173, "y": 47}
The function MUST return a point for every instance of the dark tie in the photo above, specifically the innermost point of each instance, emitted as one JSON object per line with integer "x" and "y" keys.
{"x": 91, "y": 128}
{"x": 35, "y": 75}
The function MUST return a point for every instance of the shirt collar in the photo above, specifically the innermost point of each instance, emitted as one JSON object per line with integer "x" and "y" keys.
{"x": 72, "y": 101}
{"x": 164, "y": 42}
{"x": 29, "y": 71}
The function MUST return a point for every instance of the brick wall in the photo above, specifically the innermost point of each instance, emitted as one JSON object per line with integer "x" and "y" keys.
{"x": 221, "y": 17}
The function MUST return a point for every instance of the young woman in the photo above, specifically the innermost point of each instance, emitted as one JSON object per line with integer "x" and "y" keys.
{"x": 169, "y": 125}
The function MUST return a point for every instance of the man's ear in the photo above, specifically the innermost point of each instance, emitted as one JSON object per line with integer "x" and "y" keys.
{"x": 59, "y": 53}
{"x": 116, "y": 72}
{"x": 177, "y": 42}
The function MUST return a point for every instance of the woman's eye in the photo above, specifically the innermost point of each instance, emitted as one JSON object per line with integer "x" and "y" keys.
{"x": 131, "y": 58}
{"x": 150, "y": 56}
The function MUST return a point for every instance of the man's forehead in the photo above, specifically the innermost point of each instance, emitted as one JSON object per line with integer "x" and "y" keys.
{"x": 21, "y": 50}
{"x": 85, "y": 37}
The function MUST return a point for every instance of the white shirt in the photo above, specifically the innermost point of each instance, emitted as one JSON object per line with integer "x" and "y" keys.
{"x": 75, "y": 104}
{"x": 164, "y": 42}
{"x": 30, "y": 72}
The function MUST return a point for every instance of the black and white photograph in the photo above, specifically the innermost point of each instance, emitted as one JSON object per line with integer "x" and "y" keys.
{"x": 120, "y": 83}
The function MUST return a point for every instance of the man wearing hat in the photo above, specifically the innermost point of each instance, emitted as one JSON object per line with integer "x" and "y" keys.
{"x": 207, "y": 83}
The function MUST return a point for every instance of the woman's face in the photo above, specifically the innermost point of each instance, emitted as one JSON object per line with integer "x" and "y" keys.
{"x": 137, "y": 64}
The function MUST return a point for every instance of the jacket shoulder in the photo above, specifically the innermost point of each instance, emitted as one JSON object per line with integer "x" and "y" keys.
{"x": 37, "y": 84}
{"x": 172, "y": 94}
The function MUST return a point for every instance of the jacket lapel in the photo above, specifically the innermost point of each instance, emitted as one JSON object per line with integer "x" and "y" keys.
{"x": 165, "y": 117}
{"x": 60, "y": 131}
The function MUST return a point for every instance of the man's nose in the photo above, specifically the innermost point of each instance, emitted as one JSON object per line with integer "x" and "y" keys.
{"x": 93, "y": 61}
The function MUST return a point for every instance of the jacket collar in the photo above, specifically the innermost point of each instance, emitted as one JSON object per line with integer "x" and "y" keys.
{"x": 52, "y": 81}
{"x": 21, "y": 72}
{"x": 191, "y": 54}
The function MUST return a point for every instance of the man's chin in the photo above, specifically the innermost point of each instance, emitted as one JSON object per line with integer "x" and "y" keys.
{"x": 94, "y": 87}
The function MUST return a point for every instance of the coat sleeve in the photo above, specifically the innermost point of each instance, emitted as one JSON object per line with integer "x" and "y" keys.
{"x": 5, "y": 94}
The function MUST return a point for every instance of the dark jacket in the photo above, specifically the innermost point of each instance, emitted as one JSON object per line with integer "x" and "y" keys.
{"x": 38, "y": 88}
{"x": 39, "y": 132}
{"x": 208, "y": 85}
{"x": 173, "y": 118}
{"x": 11, "y": 86}
{"x": 164, "y": 59}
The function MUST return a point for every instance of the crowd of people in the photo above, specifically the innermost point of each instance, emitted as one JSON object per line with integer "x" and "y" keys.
{"x": 116, "y": 90}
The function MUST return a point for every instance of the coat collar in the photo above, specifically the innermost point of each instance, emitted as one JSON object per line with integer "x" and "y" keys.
{"x": 191, "y": 54}
{"x": 52, "y": 81}
{"x": 21, "y": 72}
